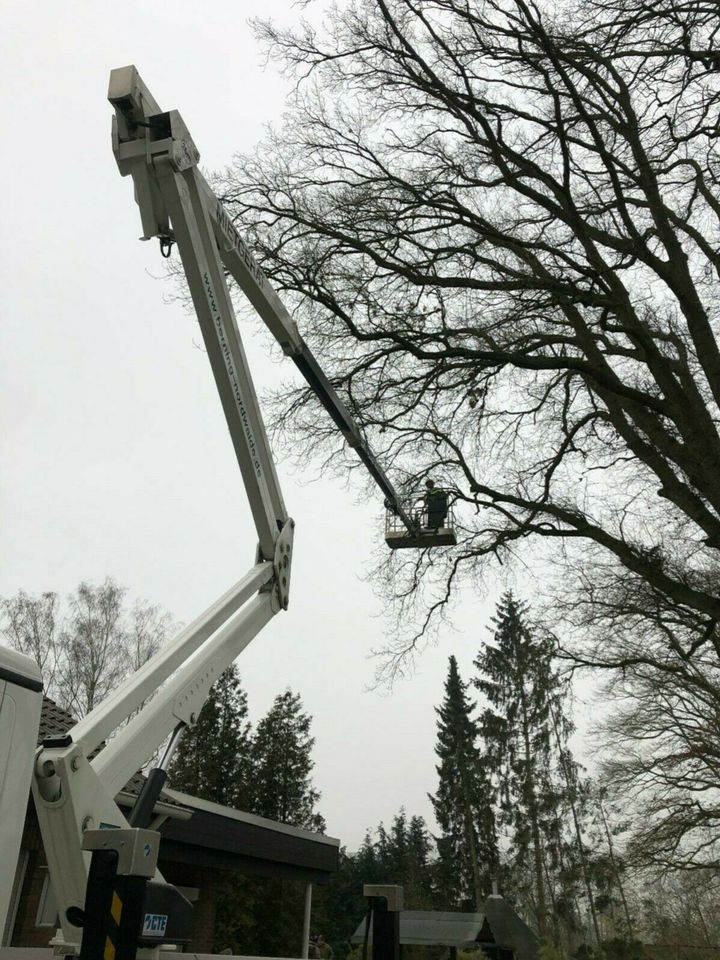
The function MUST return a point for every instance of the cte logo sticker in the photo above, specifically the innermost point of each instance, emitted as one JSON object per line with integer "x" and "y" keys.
{"x": 154, "y": 925}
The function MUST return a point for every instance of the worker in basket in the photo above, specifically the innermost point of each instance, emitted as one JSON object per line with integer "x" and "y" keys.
{"x": 436, "y": 505}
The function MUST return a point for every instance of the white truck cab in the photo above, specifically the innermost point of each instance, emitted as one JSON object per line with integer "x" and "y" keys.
{"x": 20, "y": 704}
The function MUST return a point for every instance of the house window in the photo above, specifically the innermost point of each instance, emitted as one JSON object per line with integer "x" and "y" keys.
{"x": 47, "y": 914}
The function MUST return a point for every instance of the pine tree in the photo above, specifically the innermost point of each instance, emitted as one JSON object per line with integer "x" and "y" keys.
{"x": 463, "y": 804}
{"x": 398, "y": 855}
{"x": 281, "y": 765}
{"x": 213, "y": 757}
{"x": 518, "y": 679}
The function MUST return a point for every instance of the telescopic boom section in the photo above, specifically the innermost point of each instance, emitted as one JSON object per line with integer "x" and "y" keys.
{"x": 177, "y": 205}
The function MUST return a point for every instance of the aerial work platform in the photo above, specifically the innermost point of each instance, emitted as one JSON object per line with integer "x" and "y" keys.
{"x": 433, "y": 522}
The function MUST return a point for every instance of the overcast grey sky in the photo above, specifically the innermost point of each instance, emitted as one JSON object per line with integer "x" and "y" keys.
{"x": 115, "y": 455}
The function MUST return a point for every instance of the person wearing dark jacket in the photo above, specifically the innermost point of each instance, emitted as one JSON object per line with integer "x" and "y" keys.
{"x": 436, "y": 505}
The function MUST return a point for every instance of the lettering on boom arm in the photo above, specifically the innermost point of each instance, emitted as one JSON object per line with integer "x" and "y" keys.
{"x": 238, "y": 244}
{"x": 234, "y": 383}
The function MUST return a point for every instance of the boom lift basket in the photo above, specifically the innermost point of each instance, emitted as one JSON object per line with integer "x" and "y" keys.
{"x": 435, "y": 528}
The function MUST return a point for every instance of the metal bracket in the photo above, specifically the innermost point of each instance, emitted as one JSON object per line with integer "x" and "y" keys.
{"x": 393, "y": 894}
{"x": 137, "y": 849}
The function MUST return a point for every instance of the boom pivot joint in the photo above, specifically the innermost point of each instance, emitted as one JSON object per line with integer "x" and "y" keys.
{"x": 282, "y": 566}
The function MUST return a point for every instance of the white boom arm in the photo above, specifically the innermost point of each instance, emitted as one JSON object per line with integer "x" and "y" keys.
{"x": 74, "y": 789}
{"x": 176, "y": 203}
{"x": 73, "y": 793}
{"x": 142, "y": 131}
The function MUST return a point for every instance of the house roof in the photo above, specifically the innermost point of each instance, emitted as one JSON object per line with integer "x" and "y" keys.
{"x": 201, "y": 832}
{"x": 498, "y": 925}
{"x": 509, "y": 930}
{"x": 218, "y": 836}
{"x": 197, "y": 803}
{"x": 53, "y": 720}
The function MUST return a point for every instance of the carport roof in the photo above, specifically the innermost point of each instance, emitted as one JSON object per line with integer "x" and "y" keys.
{"x": 498, "y": 926}
{"x": 436, "y": 928}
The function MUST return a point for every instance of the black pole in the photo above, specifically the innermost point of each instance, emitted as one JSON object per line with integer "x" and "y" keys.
{"x": 386, "y": 931}
{"x": 142, "y": 811}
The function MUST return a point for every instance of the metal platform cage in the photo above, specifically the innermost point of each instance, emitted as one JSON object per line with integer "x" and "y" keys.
{"x": 429, "y": 534}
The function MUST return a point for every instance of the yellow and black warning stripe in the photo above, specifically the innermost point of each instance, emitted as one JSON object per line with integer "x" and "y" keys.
{"x": 113, "y": 927}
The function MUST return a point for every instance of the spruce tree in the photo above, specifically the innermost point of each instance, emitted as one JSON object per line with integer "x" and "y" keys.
{"x": 518, "y": 679}
{"x": 463, "y": 803}
{"x": 282, "y": 763}
{"x": 213, "y": 757}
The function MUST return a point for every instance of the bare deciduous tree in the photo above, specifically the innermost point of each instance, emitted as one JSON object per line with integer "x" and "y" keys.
{"x": 498, "y": 226}
{"x": 681, "y": 912}
{"x": 663, "y": 730}
{"x": 662, "y": 741}
{"x": 31, "y": 627}
{"x": 147, "y": 630}
{"x": 85, "y": 652}
{"x": 95, "y": 645}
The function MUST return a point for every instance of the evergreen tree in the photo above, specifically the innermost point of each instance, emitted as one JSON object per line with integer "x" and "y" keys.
{"x": 419, "y": 870}
{"x": 213, "y": 757}
{"x": 263, "y": 918}
{"x": 370, "y": 866}
{"x": 282, "y": 764}
{"x": 339, "y": 906}
{"x": 403, "y": 857}
{"x": 400, "y": 854}
{"x": 463, "y": 804}
{"x": 524, "y": 692}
